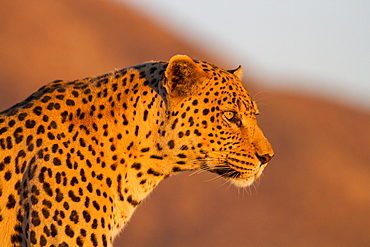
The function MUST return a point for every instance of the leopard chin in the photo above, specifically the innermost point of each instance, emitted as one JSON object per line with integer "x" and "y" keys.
{"x": 245, "y": 182}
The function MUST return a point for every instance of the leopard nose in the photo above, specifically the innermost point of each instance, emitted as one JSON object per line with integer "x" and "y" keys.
{"x": 265, "y": 158}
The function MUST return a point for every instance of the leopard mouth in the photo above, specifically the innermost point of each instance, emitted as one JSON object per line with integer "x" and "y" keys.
{"x": 239, "y": 172}
{"x": 238, "y": 178}
{"x": 226, "y": 172}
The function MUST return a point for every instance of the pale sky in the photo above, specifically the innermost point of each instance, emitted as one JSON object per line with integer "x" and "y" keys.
{"x": 322, "y": 44}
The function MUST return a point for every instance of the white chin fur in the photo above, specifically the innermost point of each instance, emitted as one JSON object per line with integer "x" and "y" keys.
{"x": 242, "y": 182}
{"x": 245, "y": 182}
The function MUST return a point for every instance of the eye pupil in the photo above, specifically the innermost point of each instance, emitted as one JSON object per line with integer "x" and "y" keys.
{"x": 229, "y": 115}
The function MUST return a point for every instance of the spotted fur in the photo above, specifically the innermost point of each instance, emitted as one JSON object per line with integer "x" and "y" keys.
{"x": 77, "y": 158}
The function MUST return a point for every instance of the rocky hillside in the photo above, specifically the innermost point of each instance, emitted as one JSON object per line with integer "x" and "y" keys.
{"x": 315, "y": 192}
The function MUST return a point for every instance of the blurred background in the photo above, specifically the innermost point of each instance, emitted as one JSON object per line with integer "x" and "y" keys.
{"x": 306, "y": 63}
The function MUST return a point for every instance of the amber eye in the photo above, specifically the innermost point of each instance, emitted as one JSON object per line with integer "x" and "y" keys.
{"x": 229, "y": 115}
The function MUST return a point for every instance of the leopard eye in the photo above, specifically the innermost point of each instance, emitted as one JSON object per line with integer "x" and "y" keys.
{"x": 229, "y": 115}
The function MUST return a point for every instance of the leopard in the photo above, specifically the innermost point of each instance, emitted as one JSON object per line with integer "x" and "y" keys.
{"x": 78, "y": 157}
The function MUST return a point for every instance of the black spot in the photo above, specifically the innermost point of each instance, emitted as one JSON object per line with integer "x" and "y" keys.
{"x": 132, "y": 201}
{"x": 130, "y": 146}
{"x": 54, "y": 148}
{"x": 79, "y": 241}
{"x": 66, "y": 205}
{"x": 94, "y": 240}
{"x": 69, "y": 232}
{"x": 58, "y": 177}
{"x": 171, "y": 144}
{"x": 156, "y": 157}
{"x": 74, "y": 216}
{"x": 89, "y": 187}
{"x": 30, "y": 147}
{"x": 143, "y": 181}
{"x": 154, "y": 173}
{"x": 73, "y": 196}
{"x": 75, "y": 93}
{"x": 7, "y": 159}
{"x": 191, "y": 121}
{"x": 33, "y": 237}
{"x": 70, "y": 102}
{"x": 8, "y": 175}
{"x": 9, "y": 143}
{"x": 37, "y": 110}
{"x": 38, "y": 144}
{"x": 82, "y": 142}
{"x": 29, "y": 124}
{"x": 197, "y": 132}
{"x": 45, "y": 99}
{"x": 11, "y": 123}
{"x": 94, "y": 225}
{"x": 51, "y": 136}
{"x": 176, "y": 169}
{"x": 35, "y": 218}
{"x": 43, "y": 240}
{"x": 53, "y": 125}
{"x": 22, "y": 116}
{"x": 47, "y": 203}
{"x": 74, "y": 181}
{"x": 104, "y": 238}
{"x": 40, "y": 129}
{"x": 11, "y": 202}
{"x": 60, "y": 96}
{"x": 45, "y": 212}
{"x": 109, "y": 182}
{"x": 159, "y": 148}
{"x": 57, "y": 161}
{"x": 181, "y": 156}
{"x": 174, "y": 123}
{"x": 100, "y": 177}
{"x": 54, "y": 230}
{"x": 125, "y": 122}
{"x": 132, "y": 76}
{"x": 47, "y": 189}
{"x": 87, "y": 202}
{"x": 29, "y": 139}
{"x": 59, "y": 195}
{"x": 88, "y": 162}
{"x": 146, "y": 115}
{"x": 113, "y": 166}
{"x": 119, "y": 187}
{"x": 3, "y": 130}
{"x": 16, "y": 239}
{"x": 136, "y": 166}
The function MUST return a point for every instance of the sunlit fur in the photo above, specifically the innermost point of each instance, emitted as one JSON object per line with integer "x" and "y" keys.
{"x": 78, "y": 157}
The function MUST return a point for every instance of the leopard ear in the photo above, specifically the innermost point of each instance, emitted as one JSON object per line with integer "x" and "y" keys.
{"x": 182, "y": 75}
{"x": 237, "y": 72}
